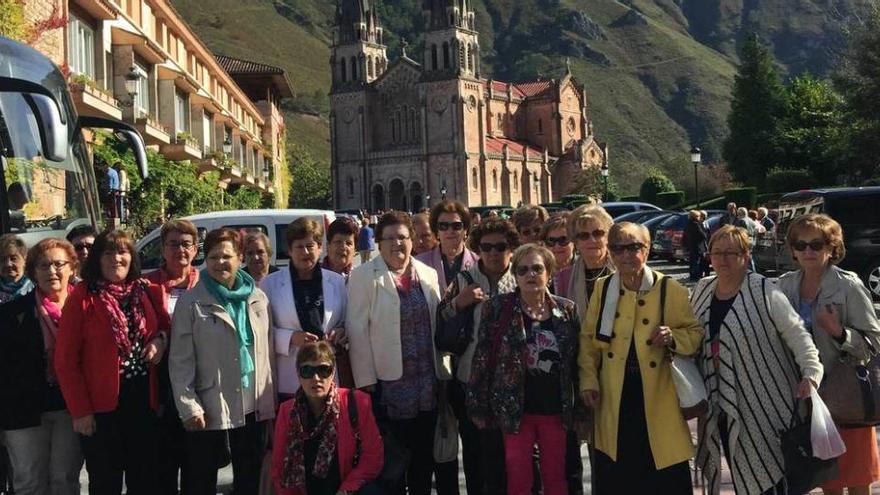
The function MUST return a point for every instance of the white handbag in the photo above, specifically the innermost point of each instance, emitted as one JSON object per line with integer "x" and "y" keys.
{"x": 446, "y": 431}
{"x": 689, "y": 386}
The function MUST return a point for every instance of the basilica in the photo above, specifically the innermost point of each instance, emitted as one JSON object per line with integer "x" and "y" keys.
{"x": 406, "y": 134}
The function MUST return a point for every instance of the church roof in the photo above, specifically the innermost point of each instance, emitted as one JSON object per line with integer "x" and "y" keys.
{"x": 515, "y": 148}
{"x": 523, "y": 90}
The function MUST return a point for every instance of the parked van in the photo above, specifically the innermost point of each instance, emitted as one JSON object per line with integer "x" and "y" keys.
{"x": 270, "y": 222}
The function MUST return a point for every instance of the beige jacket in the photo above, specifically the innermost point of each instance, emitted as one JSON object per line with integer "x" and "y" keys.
{"x": 372, "y": 322}
{"x": 204, "y": 364}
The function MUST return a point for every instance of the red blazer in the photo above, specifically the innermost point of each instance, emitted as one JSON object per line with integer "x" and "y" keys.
{"x": 86, "y": 357}
{"x": 372, "y": 453}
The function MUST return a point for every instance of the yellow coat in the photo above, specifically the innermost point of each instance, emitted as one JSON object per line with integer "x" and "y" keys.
{"x": 636, "y": 318}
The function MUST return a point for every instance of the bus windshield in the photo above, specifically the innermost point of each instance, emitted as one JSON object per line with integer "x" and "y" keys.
{"x": 43, "y": 198}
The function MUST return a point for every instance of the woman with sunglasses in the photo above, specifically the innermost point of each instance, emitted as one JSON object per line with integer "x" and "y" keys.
{"x": 43, "y": 448}
{"x": 460, "y": 311}
{"x": 221, "y": 361}
{"x": 529, "y": 220}
{"x": 450, "y": 223}
{"x": 636, "y": 319}
{"x": 838, "y": 312}
{"x": 316, "y": 449}
{"x": 523, "y": 377}
{"x": 391, "y": 318}
{"x": 554, "y": 236}
{"x": 745, "y": 359}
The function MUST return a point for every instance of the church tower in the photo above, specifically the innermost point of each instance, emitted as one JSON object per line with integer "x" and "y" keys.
{"x": 358, "y": 52}
{"x": 452, "y": 48}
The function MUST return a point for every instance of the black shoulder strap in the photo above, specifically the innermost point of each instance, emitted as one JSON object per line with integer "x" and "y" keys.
{"x": 467, "y": 276}
{"x": 602, "y": 300}
{"x": 353, "y": 419}
{"x": 663, "y": 300}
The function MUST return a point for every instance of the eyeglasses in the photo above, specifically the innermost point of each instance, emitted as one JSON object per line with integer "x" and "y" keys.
{"x": 522, "y": 271}
{"x": 83, "y": 246}
{"x": 633, "y": 248}
{"x": 726, "y": 254}
{"x": 816, "y": 245}
{"x": 444, "y": 226}
{"x": 57, "y": 265}
{"x": 485, "y": 247}
{"x": 586, "y": 236}
{"x": 398, "y": 238}
{"x": 556, "y": 241}
{"x": 530, "y": 232}
{"x": 178, "y": 245}
{"x": 308, "y": 371}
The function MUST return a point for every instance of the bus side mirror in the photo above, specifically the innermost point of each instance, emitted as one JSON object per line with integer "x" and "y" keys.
{"x": 130, "y": 134}
{"x": 53, "y": 130}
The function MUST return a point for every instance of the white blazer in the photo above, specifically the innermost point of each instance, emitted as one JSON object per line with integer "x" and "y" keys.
{"x": 285, "y": 320}
{"x": 373, "y": 322}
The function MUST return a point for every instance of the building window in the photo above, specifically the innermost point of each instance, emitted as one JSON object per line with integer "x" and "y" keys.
{"x": 445, "y": 55}
{"x": 142, "y": 98}
{"x": 462, "y": 57}
{"x": 351, "y": 186}
{"x": 242, "y": 146}
{"x": 413, "y": 123}
{"x": 434, "y": 57}
{"x": 540, "y": 126}
{"x": 354, "y": 69}
{"x": 495, "y": 180}
{"x": 393, "y": 130}
{"x": 81, "y": 47}
{"x": 207, "y": 130}
{"x": 500, "y": 125}
{"x": 343, "y": 76}
{"x": 515, "y": 180}
{"x": 369, "y": 66}
{"x": 181, "y": 114}
{"x": 475, "y": 180}
{"x": 472, "y": 58}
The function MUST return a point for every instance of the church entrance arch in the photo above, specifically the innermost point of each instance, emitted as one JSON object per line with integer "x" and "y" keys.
{"x": 416, "y": 196}
{"x": 397, "y": 195}
{"x": 378, "y": 197}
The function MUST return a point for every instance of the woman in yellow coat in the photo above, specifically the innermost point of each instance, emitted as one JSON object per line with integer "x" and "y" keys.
{"x": 642, "y": 440}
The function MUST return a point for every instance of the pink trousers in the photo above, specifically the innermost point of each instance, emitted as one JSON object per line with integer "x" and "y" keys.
{"x": 547, "y": 431}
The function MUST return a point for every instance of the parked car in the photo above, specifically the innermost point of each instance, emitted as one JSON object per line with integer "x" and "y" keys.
{"x": 270, "y": 222}
{"x": 857, "y": 209}
{"x": 669, "y": 240}
{"x": 640, "y": 216}
{"x": 617, "y": 208}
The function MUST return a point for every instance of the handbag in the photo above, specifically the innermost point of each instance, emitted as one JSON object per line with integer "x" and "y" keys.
{"x": 454, "y": 337}
{"x": 693, "y": 399}
{"x": 852, "y": 393}
{"x": 397, "y": 457}
{"x": 344, "y": 374}
{"x": 803, "y": 470}
{"x": 446, "y": 430}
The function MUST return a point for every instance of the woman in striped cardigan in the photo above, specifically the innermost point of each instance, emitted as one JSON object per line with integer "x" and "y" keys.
{"x": 756, "y": 357}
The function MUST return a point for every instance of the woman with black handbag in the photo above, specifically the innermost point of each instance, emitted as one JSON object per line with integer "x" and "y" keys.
{"x": 838, "y": 311}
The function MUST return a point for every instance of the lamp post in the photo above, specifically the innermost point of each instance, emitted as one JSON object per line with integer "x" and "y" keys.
{"x": 443, "y": 191}
{"x": 132, "y": 77}
{"x": 605, "y": 173}
{"x": 696, "y": 158}
{"x": 227, "y": 146}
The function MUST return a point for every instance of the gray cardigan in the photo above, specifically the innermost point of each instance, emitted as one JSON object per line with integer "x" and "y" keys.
{"x": 844, "y": 290}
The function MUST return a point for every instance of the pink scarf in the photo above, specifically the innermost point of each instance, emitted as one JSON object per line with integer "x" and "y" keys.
{"x": 192, "y": 278}
{"x": 112, "y": 295}
{"x": 50, "y": 315}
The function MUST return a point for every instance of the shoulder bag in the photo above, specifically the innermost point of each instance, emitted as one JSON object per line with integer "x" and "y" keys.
{"x": 852, "y": 393}
{"x": 397, "y": 457}
{"x": 456, "y": 337}
{"x": 689, "y": 386}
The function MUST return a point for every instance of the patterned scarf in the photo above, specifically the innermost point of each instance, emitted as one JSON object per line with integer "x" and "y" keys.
{"x": 10, "y": 290}
{"x": 50, "y": 315}
{"x": 294, "y": 470}
{"x": 112, "y": 296}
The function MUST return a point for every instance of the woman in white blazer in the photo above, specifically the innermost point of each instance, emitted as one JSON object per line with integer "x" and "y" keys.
{"x": 391, "y": 320}
{"x": 307, "y": 302}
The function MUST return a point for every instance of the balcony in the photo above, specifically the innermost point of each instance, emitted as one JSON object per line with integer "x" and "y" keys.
{"x": 99, "y": 9}
{"x": 184, "y": 147}
{"x": 91, "y": 100}
{"x": 154, "y": 133}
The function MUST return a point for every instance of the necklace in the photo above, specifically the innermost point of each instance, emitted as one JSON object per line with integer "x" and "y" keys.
{"x": 602, "y": 273}
{"x": 536, "y": 314}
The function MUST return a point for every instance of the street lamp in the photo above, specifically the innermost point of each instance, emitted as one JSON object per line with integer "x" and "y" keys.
{"x": 443, "y": 191}
{"x": 604, "y": 170}
{"x": 227, "y": 146}
{"x": 696, "y": 158}
{"x": 428, "y": 199}
{"x": 132, "y": 77}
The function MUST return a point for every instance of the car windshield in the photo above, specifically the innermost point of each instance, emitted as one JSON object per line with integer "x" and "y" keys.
{"x": 43, "y": 198}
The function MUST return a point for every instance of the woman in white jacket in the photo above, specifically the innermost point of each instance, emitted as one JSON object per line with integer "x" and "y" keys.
{"x": 307, "y": 302}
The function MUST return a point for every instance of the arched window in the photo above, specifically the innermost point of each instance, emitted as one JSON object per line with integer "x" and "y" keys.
{"x": 494, "y": 180}
{"x": 393, "y": 130}
{"x": 515, "y": 180}
{"x": 414, "y": 123}
{"x": 433, "y": 57}
{"x": 400, "y": 129}
{"x": 351, "y": 186}
{"x": 500, "y": 123}
{"x": 462, "y": 57}
{"x": 342, "y": 70}
{"x": 540, "y": 126}
{"x": 354, "y": 69}
{"x": 475, "y": 178}
{"x": 369, "y": 66}
{"x": 445, "y": 55}
{"x": 472, "y": 58}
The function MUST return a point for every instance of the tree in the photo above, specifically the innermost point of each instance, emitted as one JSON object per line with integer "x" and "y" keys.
{"x": 759, "y": 101}
{"x": 655, "y": 183}
{"x": 591, "y": 183}
{"x": 310, "y": 186}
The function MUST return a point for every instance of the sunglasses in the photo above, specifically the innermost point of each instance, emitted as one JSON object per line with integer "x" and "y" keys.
{"x": 586, "y": 236}
{"x": 556, "y": 241}
{"x": 485, "y": 247}
{"x": 83, "y": 245}
{"x": 522, "y": 271}
{"x": 530, "y": 232}
{"x": 816, "y": 245}
{"x": 634, "y": 247}
{"x": 308, "y": 371}
{"x": 444, "y": 226}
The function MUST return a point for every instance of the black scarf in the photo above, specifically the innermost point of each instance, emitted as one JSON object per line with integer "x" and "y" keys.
{"x": 308, "y": 295}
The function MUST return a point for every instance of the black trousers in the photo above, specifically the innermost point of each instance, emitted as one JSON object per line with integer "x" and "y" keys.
{"x": 417, "y": 435}
{"x": 171, "y": 438}
{"x": 124, "y": 444}
{"x": 208, "y": 451}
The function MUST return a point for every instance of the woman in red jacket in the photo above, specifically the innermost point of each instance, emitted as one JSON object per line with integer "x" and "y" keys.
{"x": 315, "y": 451}
{"x": 111, "y": 336}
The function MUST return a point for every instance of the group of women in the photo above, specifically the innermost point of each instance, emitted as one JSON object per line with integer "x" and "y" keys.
{"x": 534, "y": 346}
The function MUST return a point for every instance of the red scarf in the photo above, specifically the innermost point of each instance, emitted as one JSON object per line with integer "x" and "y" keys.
{"x": 294, "y": 470}
{"x": 112, "y": 295}
{"x": 50, "y": 315}
{"x": 192, "y": 278}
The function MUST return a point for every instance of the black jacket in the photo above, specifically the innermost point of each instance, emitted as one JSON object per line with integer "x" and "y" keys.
{"x": 695, "y": 237}
{"x": 24, "y": 391}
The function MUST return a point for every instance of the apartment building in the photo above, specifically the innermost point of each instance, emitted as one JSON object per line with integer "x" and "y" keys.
{"x": 138, "y": 61}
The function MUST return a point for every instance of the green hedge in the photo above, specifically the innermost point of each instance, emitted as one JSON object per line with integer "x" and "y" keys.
{"x": 629, "y": 198}
{"x": 744, "y": 196}
{"x": 789, "y": 180}
{"x": 666, "y": 200}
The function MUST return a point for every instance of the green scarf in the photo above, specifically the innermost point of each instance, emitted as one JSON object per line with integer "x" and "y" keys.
{"x": 235, "y": 302}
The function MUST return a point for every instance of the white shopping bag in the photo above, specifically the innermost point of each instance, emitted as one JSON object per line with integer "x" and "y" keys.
{"x": 824, "y": 436}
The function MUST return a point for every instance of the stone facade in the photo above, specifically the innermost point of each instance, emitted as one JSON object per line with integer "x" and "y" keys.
{"x": 406, "y": 134}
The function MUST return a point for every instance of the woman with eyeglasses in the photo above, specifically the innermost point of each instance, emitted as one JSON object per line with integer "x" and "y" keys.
{"x": 391, "y": 319}
{"x": 258, "y": 256}
{"x": 554, "y": 235}
{"x": 43, "y": 448}
{"x": 459, "y": 313}
{"x": 221, "y": 366}
{"x": 523, "y": 377}
{"x": 752, "y": 333}
{"x": 838, "y": 311}
{"x": 636, "y": 320}
{"x": 316, "y": 449}
{"x": 529, "y": 220}
{"x": 111, "y": 337}
{"x": 14, "y": 283}
{"x": 451, "y": 224}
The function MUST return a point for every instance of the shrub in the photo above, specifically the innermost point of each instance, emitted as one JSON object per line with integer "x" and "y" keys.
{"x": 669, "y": 199}
{"x": 787, "y": 180}
{"x": 629, "y": 198}
{"x": 655, "y": 183}
{"x": 744, "y": 196}
{"x": 873, "y": 181}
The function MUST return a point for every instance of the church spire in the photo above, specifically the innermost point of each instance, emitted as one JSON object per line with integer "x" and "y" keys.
{"x": 358, "y": 55}
{"x": 443, "y": 14}
{"x": 452, "y": 46}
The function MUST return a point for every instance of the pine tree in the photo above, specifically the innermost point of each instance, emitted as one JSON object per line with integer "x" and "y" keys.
{"x": 759, "y": 102}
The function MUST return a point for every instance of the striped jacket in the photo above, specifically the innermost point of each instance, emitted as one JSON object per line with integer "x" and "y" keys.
{"x": 764, "y": 352}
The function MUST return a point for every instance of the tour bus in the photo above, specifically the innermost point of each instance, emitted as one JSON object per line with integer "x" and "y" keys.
{"x": 47, "y": 181}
